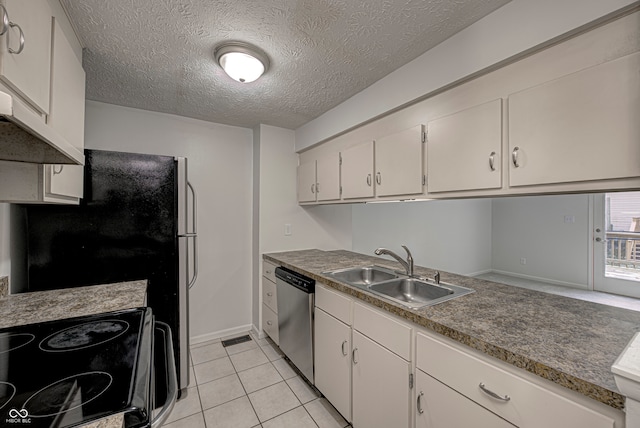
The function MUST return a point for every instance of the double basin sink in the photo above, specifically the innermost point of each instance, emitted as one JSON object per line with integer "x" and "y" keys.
{"x": 403, "y": 289}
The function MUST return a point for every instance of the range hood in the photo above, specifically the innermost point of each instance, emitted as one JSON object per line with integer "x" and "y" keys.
{"x": 25, "y": 137}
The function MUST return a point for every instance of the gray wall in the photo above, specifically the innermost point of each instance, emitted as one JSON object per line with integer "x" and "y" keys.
{"x": 534, "y": 228}
{"x": 454, "y": 236}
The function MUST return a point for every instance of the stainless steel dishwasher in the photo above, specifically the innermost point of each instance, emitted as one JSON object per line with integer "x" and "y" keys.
{"x": 295, "y": 318}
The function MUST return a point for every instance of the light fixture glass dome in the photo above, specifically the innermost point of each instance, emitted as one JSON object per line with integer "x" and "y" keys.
{"x": 242, "y": 62}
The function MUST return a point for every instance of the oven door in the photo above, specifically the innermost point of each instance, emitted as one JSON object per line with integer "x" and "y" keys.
{"x": 164, "y": 381}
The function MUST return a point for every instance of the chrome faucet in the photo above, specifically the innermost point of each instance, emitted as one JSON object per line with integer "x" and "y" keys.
{"x": 407, "y": 265}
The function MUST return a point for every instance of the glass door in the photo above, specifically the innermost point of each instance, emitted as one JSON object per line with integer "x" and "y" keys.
{"x": 616, "y": 243}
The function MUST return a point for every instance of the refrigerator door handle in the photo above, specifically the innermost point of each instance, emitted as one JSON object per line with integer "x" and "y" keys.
{"x": 194, "y": 234}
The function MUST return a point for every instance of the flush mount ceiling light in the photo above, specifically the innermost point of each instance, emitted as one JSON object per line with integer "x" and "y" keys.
{"x": 241, "y": 61}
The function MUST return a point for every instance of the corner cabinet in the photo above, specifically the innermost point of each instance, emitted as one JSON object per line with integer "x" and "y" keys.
{"x": 319, "y": 179}
{"x": 464, "y": 149}
{"x": 579, "y": 127}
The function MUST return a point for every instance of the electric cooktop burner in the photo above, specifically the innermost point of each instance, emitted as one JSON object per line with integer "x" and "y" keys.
{"x": 7, "y": 391}
{"x": 74, "y": 371}
{"x": 68, "y": 394}
{"x": 84, "y": 335}
{"x": 11, "y": 341}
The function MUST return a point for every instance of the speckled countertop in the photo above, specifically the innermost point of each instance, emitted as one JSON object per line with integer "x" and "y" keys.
{"x": 42, "y": 306}
{"x": 567, "y": 341}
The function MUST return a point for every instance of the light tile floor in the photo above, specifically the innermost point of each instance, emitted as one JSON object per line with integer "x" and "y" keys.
{"x": 249, "y": 385}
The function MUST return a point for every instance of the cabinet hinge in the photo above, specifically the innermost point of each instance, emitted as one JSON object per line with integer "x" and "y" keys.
{"x": 424, "y": 136}
{"x": 340, "y": 190}
{"x": 410, "y": 380}
{"x": 424, "y": 180}
{"x": 340, "y": 157}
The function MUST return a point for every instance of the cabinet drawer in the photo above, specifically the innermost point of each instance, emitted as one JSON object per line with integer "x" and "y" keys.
{"x": 269, "y": 296}
{"x": 388, "y": 332}
{"x": 269, "y": 270}
{"x": 270, "y": 323}
{"x": 529, "y": 405}
{"x": 333, "y": 303}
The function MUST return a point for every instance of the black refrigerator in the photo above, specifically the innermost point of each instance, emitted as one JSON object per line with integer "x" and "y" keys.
{"x": 136, "y": 221}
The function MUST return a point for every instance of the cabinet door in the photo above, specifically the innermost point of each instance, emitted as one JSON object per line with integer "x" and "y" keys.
{"x": 332, "y": 361}
{"x": 357, "y": 171}
{"x": 381, "y": 396}
{"x": 63, "y": 180}
{"x": 307, "y": 182}
{"x": 463, "y": 149}
{"x": 28, "y": 72}
{"x": 580, "y": 127}
{"x": 66, "y": 116}
{"x": 398, "y": 159}
{"x": 328, "y": 177}
{"x": 438, "y": 406}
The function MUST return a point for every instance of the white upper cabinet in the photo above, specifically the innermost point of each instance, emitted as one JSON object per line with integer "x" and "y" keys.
{"x": 580, "y": 127}
{"x": 464, "y": 148}
{"x": 357, "y": 171}
{"x": 319, "y": 179}
{"x": 328, "y": 177}
{"x": 25, "y": 50}
{"x": 66, "y": 115}
{"x": 398, "y": 163}
{"x": 307, "y": 182}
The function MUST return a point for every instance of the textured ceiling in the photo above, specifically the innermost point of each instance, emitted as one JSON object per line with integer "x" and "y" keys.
{"x": 158, "y": 54}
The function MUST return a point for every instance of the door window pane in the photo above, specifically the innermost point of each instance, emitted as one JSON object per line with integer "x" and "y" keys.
{"x": 622, "y": 226}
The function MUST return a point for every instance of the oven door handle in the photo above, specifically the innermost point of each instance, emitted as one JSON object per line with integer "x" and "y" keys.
{"x": 172, "y": 392}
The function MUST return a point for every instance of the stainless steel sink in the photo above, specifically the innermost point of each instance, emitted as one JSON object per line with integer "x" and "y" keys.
{"x": 407, "y": 291}
{"x": 363, "y": 276}
{"x": 417, "y": 293}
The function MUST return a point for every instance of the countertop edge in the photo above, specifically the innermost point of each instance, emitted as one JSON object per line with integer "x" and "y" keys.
{"x": 566, "y": 380}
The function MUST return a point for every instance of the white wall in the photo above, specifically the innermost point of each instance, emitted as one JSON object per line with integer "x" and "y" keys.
{"x": 516, "y": 27}
{"x": 534, "y": 228}
{"x": 220, "y": 167}
{"x": 325, "y": 227}
{"x": 453, "y": 236}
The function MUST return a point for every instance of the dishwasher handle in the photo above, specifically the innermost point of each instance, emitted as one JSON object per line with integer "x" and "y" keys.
{"x": 172, "y": 378}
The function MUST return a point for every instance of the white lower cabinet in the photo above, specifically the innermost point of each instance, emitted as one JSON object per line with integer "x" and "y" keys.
{"x": 333, "y": 361}
{"x": 438, "y": 406}
{"x": 522, "y": 402}
{"x": 381, "y": 394}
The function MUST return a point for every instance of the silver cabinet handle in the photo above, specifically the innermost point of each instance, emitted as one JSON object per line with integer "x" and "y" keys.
{"x": 353, "y": 356}
{"x": 344, "y": 353}
{"x": 514, "y": 157}
{"x": 21, "y": 47}
{"x": 194, "y": 233}
{"x": 269, "y": 323}
{"x": 492, "y": 159}
{"x": 378, "y": 178}
{"x": 5, "y": 20}
{"x": 269, "y": 294}
{"x": 57, "y": 171}
{"x": 492, "y": 394}
{"x": 419, "y": 403}
{"x": 369, "y": 180}
{"x": 268, "y": 272}
{"x": 313, "y": 188}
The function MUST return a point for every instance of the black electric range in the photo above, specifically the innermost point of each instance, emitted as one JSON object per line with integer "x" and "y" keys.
{"x": 70, "y": 372}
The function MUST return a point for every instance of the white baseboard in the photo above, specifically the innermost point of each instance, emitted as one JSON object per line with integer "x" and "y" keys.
{"x": 541, "y": 279}
{"x": 479, "y": 272}
{"x": 220, "y": 334}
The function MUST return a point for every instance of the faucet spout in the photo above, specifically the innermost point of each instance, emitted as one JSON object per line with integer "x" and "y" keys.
{"x": 407, "y": 265}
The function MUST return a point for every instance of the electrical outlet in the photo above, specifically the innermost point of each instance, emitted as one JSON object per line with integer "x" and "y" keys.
{"x": 523, "y": 261}
{"x": 287, "y": 229}
{"x": 569, "y": 219}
